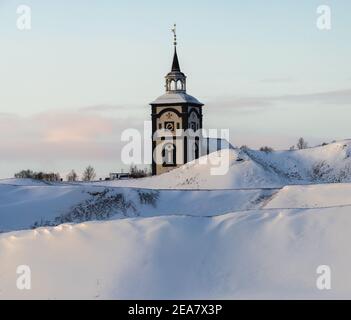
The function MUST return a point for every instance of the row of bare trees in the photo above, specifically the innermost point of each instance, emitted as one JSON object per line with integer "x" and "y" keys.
{"x": 29, "y": 174}
{"x": 300, "y": 145}
{"x": 89, "y": 174}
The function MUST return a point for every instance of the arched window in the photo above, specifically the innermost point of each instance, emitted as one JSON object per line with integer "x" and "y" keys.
{"x": 196, "y": 149}
{"x": 180, "y": 85}
{"x": 173, "y": 85}
{"x": 169, "y": 155}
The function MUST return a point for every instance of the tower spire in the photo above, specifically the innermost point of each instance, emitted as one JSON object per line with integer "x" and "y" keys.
{"x": 175, "y": 64}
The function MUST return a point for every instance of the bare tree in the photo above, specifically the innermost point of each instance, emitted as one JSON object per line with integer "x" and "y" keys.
{"x": 89, "y": 174}
{"x": 72, "y": 176}
{"x": 302, "y": 144}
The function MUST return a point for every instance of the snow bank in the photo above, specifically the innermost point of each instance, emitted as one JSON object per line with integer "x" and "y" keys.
{"x": 23, "y": 182}
{"x": 312, "y": 196}
{"x": 243, "y": 172}
{"x": 255, "y": 254}
{"x": 22, "y": 206}
{"x": 257, "y": 169}
{"x": 330, "y": 163}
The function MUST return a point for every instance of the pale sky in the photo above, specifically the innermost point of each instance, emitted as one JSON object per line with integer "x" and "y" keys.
{"x": 88, "y": 69}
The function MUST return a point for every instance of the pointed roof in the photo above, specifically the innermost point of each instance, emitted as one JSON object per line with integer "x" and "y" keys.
{"x": 175, "y": 64}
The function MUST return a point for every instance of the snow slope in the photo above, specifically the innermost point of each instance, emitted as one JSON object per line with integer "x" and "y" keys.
{"x": 330, "y": 163}
{"x": 254, "y": 254}
{"x": 23, "y": 182}
{"x": 22, "y": 206}
{"x": 312, "y": 196}
{"x": 242, "y": 173}
{"x": 257, "y": 169}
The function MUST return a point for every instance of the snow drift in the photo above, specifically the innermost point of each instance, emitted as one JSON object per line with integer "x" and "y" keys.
{"x": 255, "y": 254}
{"x": 23, "y": 207}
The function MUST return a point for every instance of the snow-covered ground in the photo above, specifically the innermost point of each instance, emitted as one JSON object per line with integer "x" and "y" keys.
{"x": 260, "y": 231}
{"x": 254, "y": 254}
{"x": 312, "y": 196}
{"x": 23, "y": 182}
{"x": 22, "y": 206}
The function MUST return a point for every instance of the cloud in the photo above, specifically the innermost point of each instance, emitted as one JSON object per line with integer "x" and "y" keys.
{"x": 105, "y": 108}
{"x": 258, "y": 103}
{"x": 71, "y": 127}
{"x": 327, "y": 97}
{"x": 61, "y": 135}
{"x": 240, "y": 102}
{"x": 7, "y": 114}
{"x": 278, "y": 80}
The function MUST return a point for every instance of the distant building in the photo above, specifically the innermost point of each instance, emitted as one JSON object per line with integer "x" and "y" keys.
{"x": 118, "y": 176}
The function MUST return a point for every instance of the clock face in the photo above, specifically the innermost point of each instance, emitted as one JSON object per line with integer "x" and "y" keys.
{"x": 169, "y": 125}
{"x": 193, "y": 126}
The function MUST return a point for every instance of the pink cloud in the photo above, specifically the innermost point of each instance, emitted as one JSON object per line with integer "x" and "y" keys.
{"x": 72, "y": 127}
{"x": 61, "y": 135}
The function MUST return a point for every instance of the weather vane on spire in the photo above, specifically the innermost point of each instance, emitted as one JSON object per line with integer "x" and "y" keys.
{"x": 174, "y": 30}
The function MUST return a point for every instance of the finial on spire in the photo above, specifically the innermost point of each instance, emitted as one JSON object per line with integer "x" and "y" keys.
{"x": 174, "y": 30}
{"x": 175, "y": 65}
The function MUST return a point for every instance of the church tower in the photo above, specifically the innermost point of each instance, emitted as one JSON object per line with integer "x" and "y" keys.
{"x": 174, "y": 115}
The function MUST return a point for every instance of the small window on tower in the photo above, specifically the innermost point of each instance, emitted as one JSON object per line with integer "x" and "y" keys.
{"x": 160, "y": 125}
{"x": 178, "y": 125}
